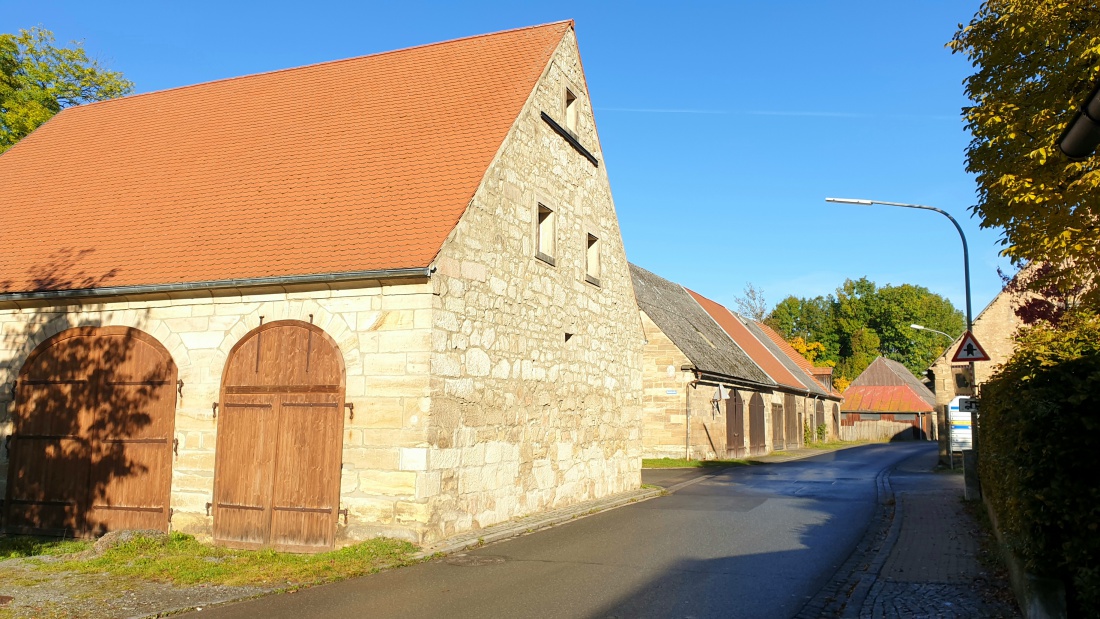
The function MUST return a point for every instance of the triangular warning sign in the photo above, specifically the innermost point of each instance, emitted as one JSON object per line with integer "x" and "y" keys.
{"x": 970, "y": 349}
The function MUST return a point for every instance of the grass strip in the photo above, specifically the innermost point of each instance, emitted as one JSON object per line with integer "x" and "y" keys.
{"x": 682, "y": 463}
{"x": 180, "y": 559}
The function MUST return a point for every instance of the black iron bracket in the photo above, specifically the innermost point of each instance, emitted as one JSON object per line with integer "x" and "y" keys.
{"x": 176, "y": 447}
{"x": 344, "y": 513}
{"x": 351, "y": 410}
{"x": 214, "y": 409}
{"x": 208, "y": 506}
{"x": 179, "y": 387}
{"x": 568, "y": 135}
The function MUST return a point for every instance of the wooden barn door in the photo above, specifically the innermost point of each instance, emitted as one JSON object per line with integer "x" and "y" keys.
{"x": 735, "y": 425}
{"x": 819, "y": 418}
{"x": 779, "y": 428}
{"x": 794, "y": 432}
{"x": 91, "y": 447}
{"x": 277, "y": 470}
{"x": 757, "y": 443}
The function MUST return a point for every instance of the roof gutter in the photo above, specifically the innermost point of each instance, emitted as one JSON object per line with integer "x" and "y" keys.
{"x": 703, "y": 375}
{"x": 280, "y": 280}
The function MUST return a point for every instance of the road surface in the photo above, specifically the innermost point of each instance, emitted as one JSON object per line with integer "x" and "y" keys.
{"x": 752, "y": 541}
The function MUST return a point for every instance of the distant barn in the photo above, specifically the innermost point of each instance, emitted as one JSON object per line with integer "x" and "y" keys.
{"x": 887, "y": 401}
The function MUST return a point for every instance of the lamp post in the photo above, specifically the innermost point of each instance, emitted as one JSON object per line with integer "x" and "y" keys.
{"x": 924, "y": 328}
{"x": 966, "y": 279}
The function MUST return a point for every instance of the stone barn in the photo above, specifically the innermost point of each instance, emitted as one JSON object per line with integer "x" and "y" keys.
{"x": 705, "y": 398}
{"x": 796, "y": 395}
{"x": 384, "y": 295}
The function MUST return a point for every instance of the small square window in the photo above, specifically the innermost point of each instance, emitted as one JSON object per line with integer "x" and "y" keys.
{"x": 544, "y": 248}
{"x": 592, "y": 261}
{"x": 571, "y": 111}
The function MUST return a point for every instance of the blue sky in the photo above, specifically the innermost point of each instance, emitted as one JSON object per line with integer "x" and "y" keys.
{"x": 724, "y": 125}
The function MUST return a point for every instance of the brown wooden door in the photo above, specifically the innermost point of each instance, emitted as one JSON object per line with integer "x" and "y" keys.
{"x": 779, "y": 428}
{"x": 91, "y": 447}
{"x": 757, "y": 443}
{"x": 819, "y": 417}
{"x": 735, "y": 425}
{"x": 277, "y": 473}
{"x": 794, "y": 432}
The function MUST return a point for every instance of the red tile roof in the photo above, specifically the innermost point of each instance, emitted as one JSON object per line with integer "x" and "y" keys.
{"x": 741, "y": 335}
{"x": 352, "y": 165}
{"x": 797, "y": 357}
{"x": 883, "y": 399}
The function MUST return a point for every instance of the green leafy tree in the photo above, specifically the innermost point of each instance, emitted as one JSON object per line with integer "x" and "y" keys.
{"x": 862, "y": 321}
{"x": 38, "y": 80}
{"x": 1035, "y": 62}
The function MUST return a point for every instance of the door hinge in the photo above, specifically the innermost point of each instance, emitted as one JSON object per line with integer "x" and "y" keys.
{"x": 351, "y": 410}
{"x": 176, "y": 446}
{"x": 214, "y": 408}
{"x": 344, "y": 513}
{"x": 208, "y": 506}
{"x": 171, "y": 512}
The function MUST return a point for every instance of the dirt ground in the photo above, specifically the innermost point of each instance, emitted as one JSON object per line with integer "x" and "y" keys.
{"x": 35, "y": 594}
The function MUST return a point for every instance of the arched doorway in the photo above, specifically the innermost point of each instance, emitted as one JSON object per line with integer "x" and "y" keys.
{"x": 91, "y": 446}
{"x": 280, "y": 425}
{"x": 735, "y": 425}
{"x": 757, "y": 443}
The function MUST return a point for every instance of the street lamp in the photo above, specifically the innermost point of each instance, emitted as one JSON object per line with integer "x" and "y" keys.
{"x": 966, "y": 278}
{"x": 924, "y": 328}
{"x": 966, "y": 253}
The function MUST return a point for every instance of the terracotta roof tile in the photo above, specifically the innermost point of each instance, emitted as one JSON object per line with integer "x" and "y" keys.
{"x": 795, "y": 356}
{"x": 741, "y": 335}
{"x": 351, "y": 165}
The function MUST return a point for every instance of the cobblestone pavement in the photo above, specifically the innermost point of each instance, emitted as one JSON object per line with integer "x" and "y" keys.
{"x": 920, "y": 556}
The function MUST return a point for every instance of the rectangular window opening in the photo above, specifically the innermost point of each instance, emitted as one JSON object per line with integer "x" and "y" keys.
{"x": 544, "y": 250}
{"x": 592, "y": 261}
{"x": 570, "y": 111}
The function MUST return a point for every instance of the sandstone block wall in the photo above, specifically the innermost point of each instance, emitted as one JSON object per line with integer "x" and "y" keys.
{"x": 994, "y": 328}
{"x": 536, "y": 372}
{"x": 383, "y": 331}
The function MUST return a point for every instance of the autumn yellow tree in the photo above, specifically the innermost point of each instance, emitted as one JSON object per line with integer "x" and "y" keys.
{"x": 1035, "y": 61}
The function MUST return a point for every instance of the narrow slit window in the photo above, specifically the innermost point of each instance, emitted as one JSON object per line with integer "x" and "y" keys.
{"x": 545, "y": 248}
{"x": 592, "y": 260}
{"x": 571, "y": 111}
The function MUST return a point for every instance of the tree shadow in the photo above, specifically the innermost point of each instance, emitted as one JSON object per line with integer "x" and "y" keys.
{"x": 90, "y": 408}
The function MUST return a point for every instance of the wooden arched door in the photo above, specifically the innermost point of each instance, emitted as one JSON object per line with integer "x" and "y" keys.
{"x": 280, "y": 424}
{"x": 820, "y": 417}
{"x": 735, "y": 425}
{"x": 91, "y": 443}
{"x": 757, "y": 442}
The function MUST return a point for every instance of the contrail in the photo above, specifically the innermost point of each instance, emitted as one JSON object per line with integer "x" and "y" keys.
{"x": 804, "y": 114}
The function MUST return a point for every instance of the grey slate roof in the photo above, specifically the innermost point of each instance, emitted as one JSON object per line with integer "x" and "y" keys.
{"x": 811, "y": 385}
{"x": 885, "y": 372}
{"x": 692, "y": 330}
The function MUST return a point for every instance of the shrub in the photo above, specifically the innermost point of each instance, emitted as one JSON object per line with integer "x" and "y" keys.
{"x": 1040, "y": 453}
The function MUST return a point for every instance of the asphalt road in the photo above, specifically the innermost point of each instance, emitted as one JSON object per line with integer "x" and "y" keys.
{"x": 747, "y": 542}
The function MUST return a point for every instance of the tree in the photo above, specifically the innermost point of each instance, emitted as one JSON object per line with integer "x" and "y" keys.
{"x": 862, "y": 321}
{"x": 1035, "y": 63}
{"x": 38, "y": 80}
{"x": 752, "y": 304}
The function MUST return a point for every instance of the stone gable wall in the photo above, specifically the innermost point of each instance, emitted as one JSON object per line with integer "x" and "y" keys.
{"x": 994, "y": 328}
{"x": 383, "y": 331}
{"x": 522, "y": 418}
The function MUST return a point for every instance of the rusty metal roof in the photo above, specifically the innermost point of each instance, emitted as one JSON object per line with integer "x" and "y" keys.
{"x": 883, "y": 399}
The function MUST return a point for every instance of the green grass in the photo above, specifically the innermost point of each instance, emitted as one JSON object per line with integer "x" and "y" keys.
{"x": 180, "y": 559}
{"x": 681, "y": 463}
{"x": 20, "y": 546}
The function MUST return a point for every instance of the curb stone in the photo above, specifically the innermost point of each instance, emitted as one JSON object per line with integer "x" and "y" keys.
{"x": 839, "y": 595}
{"x": 542, "y": 520}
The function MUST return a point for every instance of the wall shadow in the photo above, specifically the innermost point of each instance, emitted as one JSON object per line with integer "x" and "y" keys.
{"x": 86, "y": 407}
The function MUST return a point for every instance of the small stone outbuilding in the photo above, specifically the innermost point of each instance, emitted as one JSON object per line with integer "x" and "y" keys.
{"x": 381, "y": 295}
